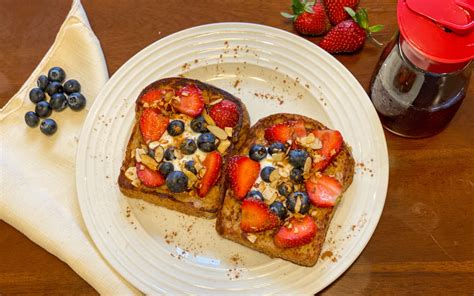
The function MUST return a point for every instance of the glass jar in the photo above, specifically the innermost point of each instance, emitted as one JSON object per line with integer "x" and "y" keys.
{"x": 423, "y": 74}
{"x": 412, "y": 101}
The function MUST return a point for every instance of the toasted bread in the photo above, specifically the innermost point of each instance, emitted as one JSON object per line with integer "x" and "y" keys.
{"x": 229, "y": 217}
{"x": 188, "y": 202}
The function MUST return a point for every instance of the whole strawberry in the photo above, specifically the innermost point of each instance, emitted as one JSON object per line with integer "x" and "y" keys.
{"x": 349, "y": 35}
{"x": 336, "y": 12}
{"x": 309, "y": 18}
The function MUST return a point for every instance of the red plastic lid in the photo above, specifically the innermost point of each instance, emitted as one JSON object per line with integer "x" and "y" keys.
{"x": 441, "y": 30}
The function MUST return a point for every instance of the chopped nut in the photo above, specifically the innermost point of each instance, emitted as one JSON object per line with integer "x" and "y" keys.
{"x": 202, "y": 172}
{"x": 316, "y": 144}
{"x": 317, "y": 158}
{"x": 149, "y": 162}
{"x": 284, "y": 172}
{"x": 192, "y": 179}
{"x": 332, "y": 152}
{"x": 278, "y": 156}
{"x": 159, "y": 153}
{"x": 163, "y": 141}
{"x": 274, "y": 184}
{"x": 146, "y": 105}
{"x": 136, "y": 182}
{"x": 131, "y": 173}
{"x": 153, "y": 145}
{"x": 138, "y": 154}
{"x": 295, "y": 230}
{"x": 274, "y": 175}
{"x": 251, "y": 237}
{"x": 298, "y": 205}
{"x": 271, "y": 198}
{"x": 228, "y": 131}
{"x": 223, "y": 146}
{"x": 307, "y": 165}
{"x": 217, "y": 131}
{"x": 208, "y": 118}
{"x": 215, "y": 102}
{"x": 267, "y": 192}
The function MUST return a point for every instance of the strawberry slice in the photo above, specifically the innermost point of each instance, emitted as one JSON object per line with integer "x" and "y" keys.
{"x": 242, "y": 174}
{"x": 154, "y": 95}
{"x": 152, "y": 125}
{"x": 332, "y": 144}
{"x": 323, "y": 191}
{"x": 149, "y": 177}
{"x": 282, "y": 132}
{"x": 302, "y": 232}
{"x": 225, "y": 114}
{"x": 256, "y": 216}
{"x": 212, "y": 163}
{"x": 190, "y": 102}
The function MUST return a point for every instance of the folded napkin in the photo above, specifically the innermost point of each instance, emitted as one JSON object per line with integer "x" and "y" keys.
{"x": 37, "y": 176}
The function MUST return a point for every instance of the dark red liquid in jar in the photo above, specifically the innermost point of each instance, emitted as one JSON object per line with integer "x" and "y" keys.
{"x": 411, "y": 101}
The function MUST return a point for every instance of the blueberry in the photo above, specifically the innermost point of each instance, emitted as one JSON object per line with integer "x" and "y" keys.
{"x": 42, "y": 82}
{"x": 56, "y": 74}
{"x": 257, "y": 152}
{"x": 207, "y": 142}
{"x": 285, "y": 188}
{"x": 177, "y": 181}
{"x": 175, "y": 128}
{"x": 165, "y": 168}
{"x": 255, "y": 194}
{"x": 31, "y": 119}
{"x": 188, "y": 147}
{"x": 37, "y": 95}
{"x": 189, "y": 165}
{"x": 296, "y": 175}
{"x": 43, "y": 109}
{"x": 266, "y": 172}
{"x": 276, "y": 147}
{"x": 72, "y": 86}
{"x": 169, "y": 153}
{"x": 54, "y": 87}
{"x": 297, "y": 157}
{"x": 48, "y": 126}
{"x": 58, "y": 102}
{"x": 76, "y": 101}
{"x": 292, "y": 200}
{"x": 199, "y": 125}
{"x": 279, "y": 209}
{"x": 151, "y": 153}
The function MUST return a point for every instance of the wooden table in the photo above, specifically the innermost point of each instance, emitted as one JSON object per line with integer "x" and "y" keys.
{"x": 424, "y": 243}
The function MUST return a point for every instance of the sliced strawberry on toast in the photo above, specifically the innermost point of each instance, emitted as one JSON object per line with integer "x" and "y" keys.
{"x": 212, "y": 163}
{"x": 332, "y": 144}
{"x": 190, "y": 100}
{"x": 283, "y": 132}
{"x": 242, "y": 172}
{"x": 225, "y": 114}
{"x": 256, "y": 216}
{"x": 149, "y": 177}
{"x": 296, "y": 233}
{"x": 323, "y": 191}
{"x": 154, "y": 95}
{"x": 152, "y": 124}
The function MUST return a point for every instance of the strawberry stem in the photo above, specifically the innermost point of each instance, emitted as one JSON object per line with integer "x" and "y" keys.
{"x": 361, "y": 17}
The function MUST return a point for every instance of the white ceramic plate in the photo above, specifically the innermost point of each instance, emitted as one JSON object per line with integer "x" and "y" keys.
{"x": 160, "y": 251}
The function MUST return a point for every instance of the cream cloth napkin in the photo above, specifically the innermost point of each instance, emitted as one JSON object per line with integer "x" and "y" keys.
{"x": 37, "y": 173}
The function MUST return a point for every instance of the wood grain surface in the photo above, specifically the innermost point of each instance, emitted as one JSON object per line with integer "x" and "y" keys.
{"x": 424, "y": 243}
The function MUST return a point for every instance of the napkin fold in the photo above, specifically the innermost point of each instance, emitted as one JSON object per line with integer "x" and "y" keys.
{"x": 37, "y": 173}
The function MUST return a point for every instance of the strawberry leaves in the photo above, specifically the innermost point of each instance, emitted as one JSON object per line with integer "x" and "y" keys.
{"x": 299, "y": 7}
{"x": 362, "y": 19}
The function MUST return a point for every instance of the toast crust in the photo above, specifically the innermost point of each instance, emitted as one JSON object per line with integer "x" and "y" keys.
{"x": 187, "y": 202}
{"x": 228, "y": 219}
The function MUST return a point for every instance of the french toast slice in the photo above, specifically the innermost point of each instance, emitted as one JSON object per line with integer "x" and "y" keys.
{"x": 245, "y": 220}
{"x": 206, "y": 145}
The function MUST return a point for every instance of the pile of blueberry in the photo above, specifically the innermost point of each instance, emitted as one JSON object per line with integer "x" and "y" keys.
{"x": 206, "y": 142}
{"x": 61, "y": 95}
{"x": 297, "y": 158}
